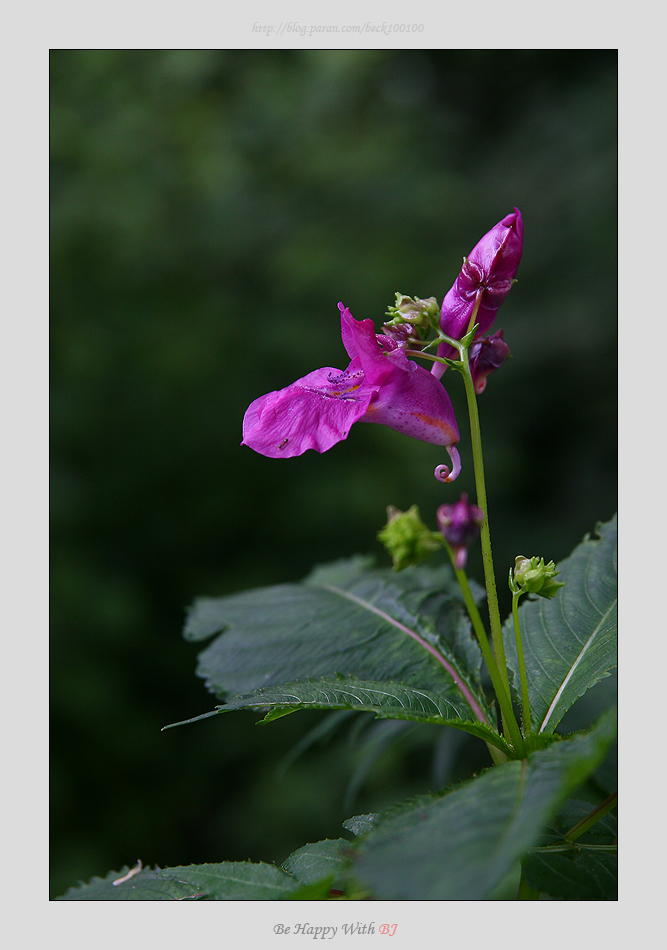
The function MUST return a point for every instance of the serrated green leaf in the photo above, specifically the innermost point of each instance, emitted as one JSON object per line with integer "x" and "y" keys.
{"x": 461, "y": 845}
{"x": 345, "y": 619}
{"x": 146, "y": 885}
{"x": 235, "y": 880}
{"x": 569, "y": 643}
{"x": 321, "y": 860}
{"x": 386, "y": 700}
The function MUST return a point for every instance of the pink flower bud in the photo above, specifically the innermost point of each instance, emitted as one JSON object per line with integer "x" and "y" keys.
{"x": 484, "y": 281}
{"x": 459, "y": 525}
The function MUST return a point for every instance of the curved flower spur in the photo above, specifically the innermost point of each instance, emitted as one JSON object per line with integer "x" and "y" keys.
{"x": 380, "y": 385}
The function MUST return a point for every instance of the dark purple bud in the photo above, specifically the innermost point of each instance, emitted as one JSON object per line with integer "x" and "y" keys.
{"x": 459, "y": 524}
{"x": 486, "y": 356}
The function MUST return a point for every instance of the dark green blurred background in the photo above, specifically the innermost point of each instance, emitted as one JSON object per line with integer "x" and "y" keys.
{"x": 209, "y": 210}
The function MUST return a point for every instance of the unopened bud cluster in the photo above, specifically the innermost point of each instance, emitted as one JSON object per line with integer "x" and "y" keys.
{"x": 423, "y": 313}
{"x": 532, "y": 576}
{"x": 407, "y": 539}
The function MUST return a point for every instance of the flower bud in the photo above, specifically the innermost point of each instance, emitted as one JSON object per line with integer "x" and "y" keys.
{"x": 459, "y": 524}
{"x": 489, "y": 270}
{"x": 486, "y": 356}
{"x": 415, "y": 310}
{"x": 484, "y": 281}
{"x": 401, "y": 334}
{"x": 533, "y": 576}
{"x": 406, "y": 537}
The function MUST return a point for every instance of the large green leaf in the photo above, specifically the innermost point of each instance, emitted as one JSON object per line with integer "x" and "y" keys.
{"x": 461, "y": 845}
{"x": 584, "y": 871}
{"x": 569, "y": 643}
{"x": 386, "y": 700}
{"x": 348, "y": 619}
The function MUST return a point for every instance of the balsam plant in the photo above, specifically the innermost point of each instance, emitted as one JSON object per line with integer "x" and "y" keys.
{"x": 410, "y": 642}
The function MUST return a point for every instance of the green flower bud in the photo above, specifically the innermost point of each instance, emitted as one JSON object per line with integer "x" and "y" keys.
{"x": 419, "y": 312}
{"x": 533, "y": 576}
{"x": 406, "y": 537}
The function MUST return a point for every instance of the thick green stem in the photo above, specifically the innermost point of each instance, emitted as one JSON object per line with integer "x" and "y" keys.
{"x": 525, "y": 702}
{"x": 496, "y": 679}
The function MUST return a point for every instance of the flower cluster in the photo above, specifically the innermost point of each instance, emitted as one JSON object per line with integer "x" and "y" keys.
{"x": 381, "y": 384}
{"x": 407, "y": 539}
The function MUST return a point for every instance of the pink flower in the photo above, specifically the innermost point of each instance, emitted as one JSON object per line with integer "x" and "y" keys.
{"x": 380, "y": 385}
{"x": 487, "y": 276}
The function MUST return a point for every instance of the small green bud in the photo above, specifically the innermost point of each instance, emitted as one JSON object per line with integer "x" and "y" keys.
{"x": 415, "y": 310}
{"x": 533, "y": 576}
{"x": 406, "y": 537}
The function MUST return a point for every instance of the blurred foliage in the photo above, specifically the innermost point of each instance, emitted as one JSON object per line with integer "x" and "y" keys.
{"x": 209, "y": 210}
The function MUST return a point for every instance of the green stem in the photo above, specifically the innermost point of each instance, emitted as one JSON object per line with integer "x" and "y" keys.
{"x": 525, "y": 702}
{"x": 496, "y": 679}
{"x": 426, "y": 356}
{"x": 485, "y": 534}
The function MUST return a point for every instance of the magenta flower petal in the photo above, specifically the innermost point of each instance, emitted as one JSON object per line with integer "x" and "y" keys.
{"x": 315, "y": 412}
{"x": 361, "y": 342}
{"x": 380, "y": 385}
{"x": 412, "y": 401}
